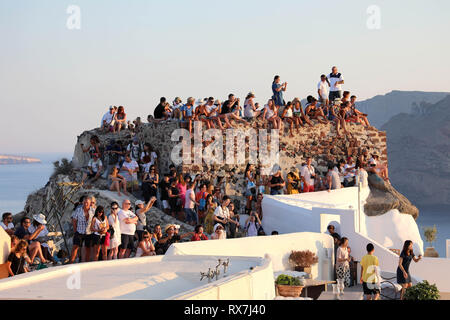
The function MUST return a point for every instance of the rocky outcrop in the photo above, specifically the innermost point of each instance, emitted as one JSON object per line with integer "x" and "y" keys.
{"x": 383, "y": 197}
{"x": 419, "y": 152}
{"x": 382, "y": 108}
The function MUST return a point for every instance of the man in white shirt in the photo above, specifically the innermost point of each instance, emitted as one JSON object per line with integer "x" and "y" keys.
{"x": 349, "y": 171}
{"x": 7, "y": 224}
{"x": 189, "y": 205}
{"x": 129, "y": 172}
{"x": 336, "y": 80}
{"x": 307, "y": 175}
{"x": 333, "y": 180}
{"x": 108, "y": 118}
{"x": 95, "y": 167}
{"x": 128, "y": 221}
{"x": 323, "y": 90}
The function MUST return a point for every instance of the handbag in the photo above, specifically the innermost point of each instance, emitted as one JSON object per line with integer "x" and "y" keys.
{"x": 107, "y": 239}
{"x": 110, "y": 231}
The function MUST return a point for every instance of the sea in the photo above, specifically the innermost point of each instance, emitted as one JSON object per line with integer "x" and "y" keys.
{"x": 17, "y": 181}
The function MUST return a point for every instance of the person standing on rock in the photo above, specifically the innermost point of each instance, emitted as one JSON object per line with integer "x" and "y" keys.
{"x": 80, "y": 220}
{"x": 308, "y": 175}
{"x": 128, "y": 221}
{"x": 114, "y": 224}
{"x": 277, "y": 90}
{"x": 336, "y": 80}
{"x": 403, "y": 275}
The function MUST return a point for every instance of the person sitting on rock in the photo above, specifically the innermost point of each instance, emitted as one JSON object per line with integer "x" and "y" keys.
{"x": 117, "y": 182}
{"x": 377, "y": 167}
{"x": 94, "y": 169}
{"x": 250, "y": 109}
{"x": 270, "y": 113}
{"x": 129, "y": 171}
{"x": 314, "y": 112}
{"x": 231, "y": 107}
{"x": 108, "y": 119}
{"x": 339, "y": 115}
{"x": 288, "y": 116}
{"x": 120, "y": 119}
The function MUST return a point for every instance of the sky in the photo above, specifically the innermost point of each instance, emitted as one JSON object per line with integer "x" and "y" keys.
{"x": 57, "y": 82}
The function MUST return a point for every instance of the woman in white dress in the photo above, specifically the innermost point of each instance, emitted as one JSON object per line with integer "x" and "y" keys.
{"x": 114, "y": 223}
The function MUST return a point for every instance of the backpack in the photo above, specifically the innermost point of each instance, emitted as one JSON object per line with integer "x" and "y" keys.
{"x": 202, "y": 203}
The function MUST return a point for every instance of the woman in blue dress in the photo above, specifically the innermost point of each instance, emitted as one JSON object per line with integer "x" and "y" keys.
{"x": 403, "y": 275}
{"x": 277, "y": 89}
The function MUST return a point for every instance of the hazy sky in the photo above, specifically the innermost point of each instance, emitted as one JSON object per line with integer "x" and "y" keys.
{"x": 56, "y": 82}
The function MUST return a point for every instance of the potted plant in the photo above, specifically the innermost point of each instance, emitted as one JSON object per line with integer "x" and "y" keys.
{"x": 303, "y": 260}
{"x": 430, "y": 236}
{"x": 288, "y": 286}
{"x": 422, "y": 291}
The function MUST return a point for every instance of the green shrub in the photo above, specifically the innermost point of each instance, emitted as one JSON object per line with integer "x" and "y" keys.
{"x": 62, "y": 167}
{"x": 287, "y": 280}
{"x": 422, "y": 291}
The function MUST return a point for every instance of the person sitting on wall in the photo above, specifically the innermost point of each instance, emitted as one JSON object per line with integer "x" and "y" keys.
{"x": 198, "y": 234}
{"x": 314, "y": 112}
{"x": 375, "y": 166}
{"x": 172, "y": 236}
{"x": 34, "y": 247}
{"x": 308, "y": 174}
{"x": 94, "y": 169}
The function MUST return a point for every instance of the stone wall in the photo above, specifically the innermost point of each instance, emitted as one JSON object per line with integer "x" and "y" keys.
{"x": 320, "y": 142}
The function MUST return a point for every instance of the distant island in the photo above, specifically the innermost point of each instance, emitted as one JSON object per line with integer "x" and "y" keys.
{"x": 8, "y": 159}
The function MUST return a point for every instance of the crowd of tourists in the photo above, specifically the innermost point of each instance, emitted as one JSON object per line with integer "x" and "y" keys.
{"x": 331, "y": 105}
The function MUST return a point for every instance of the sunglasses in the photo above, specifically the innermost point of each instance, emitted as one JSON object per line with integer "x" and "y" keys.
{"x": 145, "y": 237}
{"x": 114, "y": 208}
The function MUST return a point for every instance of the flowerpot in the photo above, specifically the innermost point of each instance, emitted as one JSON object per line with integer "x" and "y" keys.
{"x": 289, "y": 291}
{"x": 430, "y": 252}
{"x": 304, "y": 269}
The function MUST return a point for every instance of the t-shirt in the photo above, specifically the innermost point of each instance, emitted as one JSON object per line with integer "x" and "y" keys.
{"x": 188, "y": 109}
{"x": 222, "y": 213}
{"x": 306, "y": 173}
{"x": 159, "y": 111}
{"x": 362, "y": 178}
{"x": 108, "y": 117}
{"x": 212, "y": 110}
{"x": 368, "y": 263}
{"x": 333, "y": 78}
{"x": 277, "y": 96}
{"x": 252, "y": 229}
{"x": 189, "y": 203}
{"x": 21, "y": 232}
{"x": 17, "y": 264}
{"x": 153, "y": 156}
{"x": 226, "y": 107}
{"x": 335, "y": 180}
{"x": 351, "y": 173}
{"x": 125, "y": 228}
{"x": 95, "y": 165}
{"x": 9, "y": 226}
{"x": 323, "y": 89}
{"x": 196, "y": 237}
{"x": 129, "y": 165}
{"x": 276, "y": 180}
{"x": 142, "y": 221}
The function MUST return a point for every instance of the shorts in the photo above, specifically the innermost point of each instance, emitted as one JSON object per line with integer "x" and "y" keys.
{"x": 88, "y": 240}
{"x": 191, "y": 215}
{"x": 132, "y": 184}
{"x": 78, "y": 239}
{"x": 97, "y": 239}
{"x": 323, "y": 98}
{"x": 166, "y": 204}
{"x": 334, "y": 94}
{"x": 275, "y": 192}
{"x": 127, "y": 241}
{"x": 371, "y": 290}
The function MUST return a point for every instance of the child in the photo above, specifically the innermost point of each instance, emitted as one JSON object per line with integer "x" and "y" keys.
{"x": 369, "y": 279}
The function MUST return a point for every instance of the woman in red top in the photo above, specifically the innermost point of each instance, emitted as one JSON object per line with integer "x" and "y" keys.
{"x": 198, "y": 234}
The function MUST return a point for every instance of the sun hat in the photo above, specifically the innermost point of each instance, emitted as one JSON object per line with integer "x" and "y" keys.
{"x": 199, "y": 102}
{"x": 138, "y": 202}
{"x": 169, "y": 226}
{"x": 40, "y": 218}
{"x": 217, "y": 225}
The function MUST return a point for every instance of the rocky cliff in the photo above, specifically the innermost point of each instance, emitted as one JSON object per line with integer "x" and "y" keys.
{"x": 319, "y": 142}
{"x": 419, "y": 153}
{"x": 382, "y": 108}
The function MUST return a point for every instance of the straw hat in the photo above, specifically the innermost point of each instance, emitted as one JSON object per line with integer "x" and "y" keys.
{"x": 40, "y": 218}
{"x": 169, "y": 226}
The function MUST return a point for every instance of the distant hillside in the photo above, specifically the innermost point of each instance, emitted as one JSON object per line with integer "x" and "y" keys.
{"x": 382, "y": 107}
{"x": 419, "y": 152}
{"x": 8, "y": 159}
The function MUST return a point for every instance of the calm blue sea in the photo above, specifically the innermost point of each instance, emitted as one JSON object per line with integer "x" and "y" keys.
{"x": 17, "y": 181}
